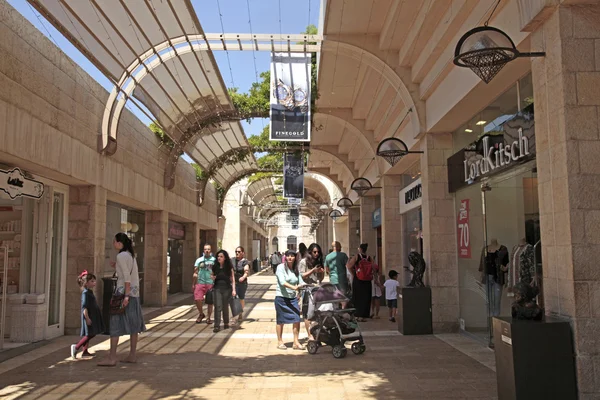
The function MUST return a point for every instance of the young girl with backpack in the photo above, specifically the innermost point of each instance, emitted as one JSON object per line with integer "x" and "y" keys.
{"x": 362, "y": 267}
{"x": 91, "y": 317}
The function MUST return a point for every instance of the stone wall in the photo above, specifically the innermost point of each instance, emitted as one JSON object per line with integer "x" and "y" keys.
{"x": 155, "y": 248}
{"x": 567, "y": 107}
{"x": 86, "y": 235}
{"x": 439, "y": 246}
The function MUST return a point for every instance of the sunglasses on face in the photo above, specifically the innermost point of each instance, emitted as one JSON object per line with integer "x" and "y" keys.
{"x": 315, "y": 251}
{"x": 237, "y": 251}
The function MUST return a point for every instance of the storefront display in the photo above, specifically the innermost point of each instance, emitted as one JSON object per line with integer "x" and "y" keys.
{"x": 494, "y": 180}
{"x": 412, "y": 219}
{"x": 32, "y": 281}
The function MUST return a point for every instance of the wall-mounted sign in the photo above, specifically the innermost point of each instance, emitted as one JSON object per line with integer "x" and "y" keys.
{"x": 376, "y": 217}
{"x": 15, "y": 184}
{"x": 293, "y": 176}
{"x": 176, "y": 230}
{"x": 411, "y": 196}
{"x": 463, "y": 231}
{"x": 294, "y": 201}
{"x": 510, "y": 144}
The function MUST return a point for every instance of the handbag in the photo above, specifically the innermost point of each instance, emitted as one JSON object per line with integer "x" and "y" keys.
{"x": 236, "y": 306}
{"x": 116, "y": 300}
{"x": 209, "y": 298}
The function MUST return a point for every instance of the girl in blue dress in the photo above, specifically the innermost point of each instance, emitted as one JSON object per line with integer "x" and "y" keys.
{"x": 91, "y": 317}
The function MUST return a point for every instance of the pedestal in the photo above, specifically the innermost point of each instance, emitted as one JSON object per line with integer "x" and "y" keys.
{"x": 414, "y": 311}
{"x": 30, "y": 326}
{"x": 534, "y": 359}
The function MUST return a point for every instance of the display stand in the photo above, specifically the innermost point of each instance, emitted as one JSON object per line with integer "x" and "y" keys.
{"x": 414, "y": 311}
{"x": 534, "y": 359}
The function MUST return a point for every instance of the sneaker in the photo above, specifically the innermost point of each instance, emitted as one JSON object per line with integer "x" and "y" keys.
{"x": 73, "y": 351}
{"x": 393, "y": 319}
{"x": 215, "y": 330}
{"x": 225, "y": 326}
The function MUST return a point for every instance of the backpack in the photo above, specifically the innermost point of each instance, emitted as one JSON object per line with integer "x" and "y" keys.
{"x": 364, "y": 269}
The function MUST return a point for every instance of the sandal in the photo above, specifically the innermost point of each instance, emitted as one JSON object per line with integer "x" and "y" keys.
{"x": 209, "y": 321}
{"x": 301, "y": 347}
{"x": 282, "y": 347}
{"x": 200, "y": 318}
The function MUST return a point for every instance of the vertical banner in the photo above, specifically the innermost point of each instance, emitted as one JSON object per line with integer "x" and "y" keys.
{"x": 290, "y": 96}
{"x": 293, "y": 175}
{"x": 463, "y": 233}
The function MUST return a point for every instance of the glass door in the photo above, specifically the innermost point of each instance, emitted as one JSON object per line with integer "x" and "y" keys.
{"x": 56, "y": 273}
{"x": 512, "y": 233}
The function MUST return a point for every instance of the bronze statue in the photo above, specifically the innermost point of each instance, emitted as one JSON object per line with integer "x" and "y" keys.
{"x": 418, "y": 269}
{"x": 525, "y": 306}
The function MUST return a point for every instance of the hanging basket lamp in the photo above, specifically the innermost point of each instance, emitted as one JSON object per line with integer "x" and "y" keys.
{"x": 486, "y": 50}
{"x": 335, "y": 215}
{"x": 361, "y": 186}
{"x": 393, "y": 150}
{"x": 345, "y": 203}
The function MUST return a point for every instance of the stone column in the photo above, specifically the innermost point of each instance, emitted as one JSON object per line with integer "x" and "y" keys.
{"x": 234, "y": 228}
{"x": 87, "y": 236}
{"x": 439, "y": 232}
{"x": 354, "y": 215}
{"x": 155, "y": 258}
{"x": 340, "y": 232}
{"x": 566, "y": 86}
{"x": 191, "y": 251}
{"x": 368, "y": 234}
{"x": 391, "y": 225}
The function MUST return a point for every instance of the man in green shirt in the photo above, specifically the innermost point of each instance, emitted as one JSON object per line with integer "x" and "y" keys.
{"x": 335, "y": 264}
{"x": 203, "y": 281}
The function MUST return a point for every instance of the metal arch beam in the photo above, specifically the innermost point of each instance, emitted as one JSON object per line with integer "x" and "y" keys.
{"x": 361, "y": 55}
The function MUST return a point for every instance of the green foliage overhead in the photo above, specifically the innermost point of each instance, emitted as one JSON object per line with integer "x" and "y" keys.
{"x": 161, "y": 135}
{"x": 257, "y": 98}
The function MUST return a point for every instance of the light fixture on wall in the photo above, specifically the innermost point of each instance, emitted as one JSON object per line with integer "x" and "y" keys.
{"x": 468, "y": 130}
{"x": 335, "y": 215}
{"x": 361, "y": 186}
{"x": 345, "y": 203}
{"x": 479, "y": 123}
{"x": 393, "y": 150}
{"x": 486, "y": 50}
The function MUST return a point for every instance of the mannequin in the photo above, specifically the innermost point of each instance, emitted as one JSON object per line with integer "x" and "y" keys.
{"x": 494, "y": 264}
{"x": 515, "y": 265}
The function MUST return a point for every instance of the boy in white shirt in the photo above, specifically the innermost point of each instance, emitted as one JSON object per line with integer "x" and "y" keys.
{"x": 391, "y": 294}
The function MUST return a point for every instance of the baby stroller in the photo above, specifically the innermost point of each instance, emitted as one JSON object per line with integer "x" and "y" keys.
{"x": 333, "y": 325}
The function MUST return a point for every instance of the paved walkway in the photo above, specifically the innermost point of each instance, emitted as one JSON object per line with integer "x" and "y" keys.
{"x": 179, "y": 359}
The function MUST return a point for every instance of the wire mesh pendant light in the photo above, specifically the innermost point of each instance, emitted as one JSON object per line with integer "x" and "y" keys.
{"x": 361, "y": 186}
{"x": 335, "y": 215}
{"x": 392, "y": 150}
{"x": 345, "y": 202}
{"x": 486, "y": 50}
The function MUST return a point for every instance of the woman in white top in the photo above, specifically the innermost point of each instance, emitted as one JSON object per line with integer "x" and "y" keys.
{"x": 131, "y": 322}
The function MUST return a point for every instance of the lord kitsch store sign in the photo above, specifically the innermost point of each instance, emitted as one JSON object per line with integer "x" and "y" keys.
{"x": 511, "y": 144}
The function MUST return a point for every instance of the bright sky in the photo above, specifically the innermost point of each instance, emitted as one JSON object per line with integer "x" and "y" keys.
{"x": 266, "y": 16}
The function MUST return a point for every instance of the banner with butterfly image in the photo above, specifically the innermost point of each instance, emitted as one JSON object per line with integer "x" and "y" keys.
{"x": 290, "y": 96}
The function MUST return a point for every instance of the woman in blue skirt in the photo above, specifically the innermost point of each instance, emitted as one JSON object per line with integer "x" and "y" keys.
{"x": 131, "y": 321}
{"x": 286, "y": 299}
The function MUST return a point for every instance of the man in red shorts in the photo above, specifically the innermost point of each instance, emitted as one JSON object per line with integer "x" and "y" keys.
{"x": 203, "y": 282}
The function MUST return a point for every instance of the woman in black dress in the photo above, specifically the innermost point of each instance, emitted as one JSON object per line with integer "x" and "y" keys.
{"x": 361, "y": 290}
{"x": 91, "y": 318}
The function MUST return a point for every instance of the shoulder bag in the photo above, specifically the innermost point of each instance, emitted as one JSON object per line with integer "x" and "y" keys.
{"x": 116, "y": 300}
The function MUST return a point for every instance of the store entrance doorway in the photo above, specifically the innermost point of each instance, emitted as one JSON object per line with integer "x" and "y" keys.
{"x": 175, "y": 266}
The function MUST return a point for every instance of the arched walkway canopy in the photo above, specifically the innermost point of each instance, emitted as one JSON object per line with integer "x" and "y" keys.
{"x": 155, "y": 53}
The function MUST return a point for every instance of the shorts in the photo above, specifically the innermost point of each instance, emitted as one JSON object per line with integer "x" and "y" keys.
{"x": 240, "y": 290}
{"x": 200, "y": 290}
{"x": 392, "y": 303}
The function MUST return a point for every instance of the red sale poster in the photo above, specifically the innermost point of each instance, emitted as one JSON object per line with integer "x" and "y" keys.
{"x": 463, "y": 232}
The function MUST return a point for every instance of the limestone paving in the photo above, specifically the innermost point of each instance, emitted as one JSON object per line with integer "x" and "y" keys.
{"x": 179, "y": 359}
